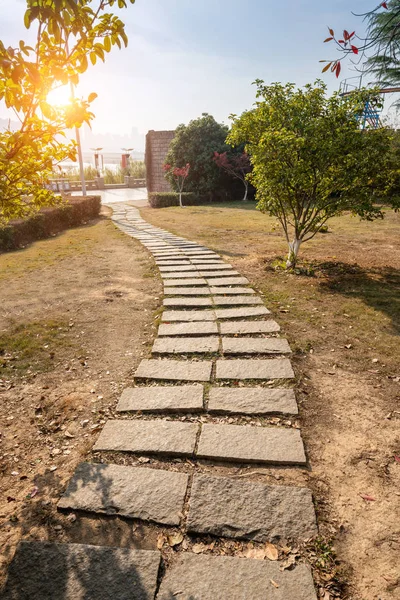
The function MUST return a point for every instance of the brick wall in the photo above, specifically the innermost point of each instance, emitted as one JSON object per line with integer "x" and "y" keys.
{"x": 157, "y": 144}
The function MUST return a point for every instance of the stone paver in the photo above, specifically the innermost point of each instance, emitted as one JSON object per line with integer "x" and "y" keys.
{"x": 215, "y": 267}
{"x": 137, "y": 493}
{"x": 252, "y": 401}
{"x": 169, "y": 316}
{"x": 208, "y": 274}
{"x": 149, "y": 437}
{"x": 189, "y": 345}
{"x": 181, "y": 275}
{"x": 180, "y": 282}
{"x": 249, "y": 327}
{"x": 208, "y": 261}
{"x": 236, "y": 300}
{"x": 48, "y": 571}
{"x": 174, "y": 370}
{"x": 227, "y": 281}
{"x": 172, "y": 263}
{"x": 245, "y": 443}
{"x": 179, "y": 269}
{"x": 239, "y": 313}
{"x": 231, "y": 290}
{"x": 202, "y": 577}
{"x": 243, "y": 509}
{"x": 255, "y": 346}
{"x": 274, "y": 368}
{"x": 200, "y": 328}
{"x": 173, "y": 398}
{"x": 182, "y": 291}
{"x": 187, "y": 302}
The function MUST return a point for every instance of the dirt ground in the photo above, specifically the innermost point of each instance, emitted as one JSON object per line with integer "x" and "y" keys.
{"x": 341, "y": 314}
{"x": 76, "y": 317}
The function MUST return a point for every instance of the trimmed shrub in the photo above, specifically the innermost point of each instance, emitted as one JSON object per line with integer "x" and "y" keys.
{"x": 164, "y": 199}
{"x": 49, "y": 221}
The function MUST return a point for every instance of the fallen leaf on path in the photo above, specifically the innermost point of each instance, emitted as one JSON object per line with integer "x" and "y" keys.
{"x": 255, "y": 553}
{"x": 397, "y": 458}
{"x": 274, "y": 583}
{"x": 289, "y": 562}
{"x": 271, "y": 551}
{"x": 199, "y": 548}
{"x": 368, "y": 498}
{"x": 175, "y": 539}
{"x": 160, "y": 541}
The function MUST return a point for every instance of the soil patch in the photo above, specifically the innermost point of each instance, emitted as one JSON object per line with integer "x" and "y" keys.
{"x": 77, "y": 316}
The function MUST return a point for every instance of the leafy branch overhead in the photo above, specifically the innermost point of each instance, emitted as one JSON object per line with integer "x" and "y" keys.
{"x": 378, "y": 51}
{"x": 68, "y": 34}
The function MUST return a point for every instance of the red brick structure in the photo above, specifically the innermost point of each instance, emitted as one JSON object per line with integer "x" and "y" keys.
{"x": 157, "y": 144}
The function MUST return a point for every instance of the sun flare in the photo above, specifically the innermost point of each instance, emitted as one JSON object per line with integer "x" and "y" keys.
{"x": 60, "y": 96}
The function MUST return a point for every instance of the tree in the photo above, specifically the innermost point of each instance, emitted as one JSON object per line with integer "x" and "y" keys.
{"x": 68, "y": 34}
{"x": 237, "y": 165}
{"x": 195, "y": 144}
{"x": 310, "y": 159}
{"x": 180, "y": 175}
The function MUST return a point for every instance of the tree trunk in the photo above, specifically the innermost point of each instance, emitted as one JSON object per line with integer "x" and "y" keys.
{"x": 294, "y": 248}
{"x": 246, "y": 186}
{"x": 180, "y": 200}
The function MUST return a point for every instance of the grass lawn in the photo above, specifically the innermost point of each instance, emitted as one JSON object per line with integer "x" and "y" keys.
{"x": 341, "y": 314}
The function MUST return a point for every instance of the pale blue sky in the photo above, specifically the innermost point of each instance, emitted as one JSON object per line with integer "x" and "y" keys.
{"x": 186, "y": 57}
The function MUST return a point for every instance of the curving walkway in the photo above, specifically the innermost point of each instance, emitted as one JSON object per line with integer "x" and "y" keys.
{"x": 217, "y": 361}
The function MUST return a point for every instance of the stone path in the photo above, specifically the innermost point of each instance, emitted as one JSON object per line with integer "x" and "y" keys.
{"x": 217, "y": 361}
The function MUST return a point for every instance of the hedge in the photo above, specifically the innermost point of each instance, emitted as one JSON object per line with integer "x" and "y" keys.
{"x": 49, "y": 221}
{"x": 163, "y": 199}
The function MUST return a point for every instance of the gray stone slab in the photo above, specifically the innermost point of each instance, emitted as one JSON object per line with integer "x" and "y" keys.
{"x": 181, "y": 275}
{"x": 207, "y": 261}
{"x": 249, "y": 327}
{"x": 241, "y": 509}
{"x": 182, "y": 291}
{"x": 232, "y": 290}
{"x": 215, "y": 267}
{"x": 188, "y": 315}
{"x": 239, "y": 313}
{"x": 179, "y": 269}
{"x": 230, "y": 273}
{"x": 200, "y": 328}
{"x": 202, "y": 577}
{"x": 188, "y": 398}
{"x": 137, "y": 493}
{"x": 180, "y": 282}
{"x": 245, "y": 443}
{"x": 236, "y": 345}
{"x": 47, "y": 571}
{"x": 148, "y": 437}
{"x": 187, "y": 302}
{"x": 172, "y": 263}
{"x": 188, "y": 345}
{"x": 252, "y": 401}
{"x": 273, "y": 368}
{"x": 237, "y": 300}
{"x": 227, "y": 281}
{"x": 174, "y": 370}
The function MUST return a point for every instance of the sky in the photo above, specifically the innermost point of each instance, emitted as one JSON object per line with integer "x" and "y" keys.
{"x": 186, "y": 57}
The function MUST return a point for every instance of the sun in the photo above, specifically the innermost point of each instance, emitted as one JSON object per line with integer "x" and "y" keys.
{"x": 60, "y": 96}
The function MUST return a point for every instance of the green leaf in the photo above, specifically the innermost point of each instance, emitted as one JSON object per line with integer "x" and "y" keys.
{"x": 27, "y": 18}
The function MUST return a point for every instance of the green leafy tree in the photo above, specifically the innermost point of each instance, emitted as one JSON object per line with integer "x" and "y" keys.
{"x": 310, "y": 159}
{"x": 68, "y": 35}
{"x": 195, "y": 144}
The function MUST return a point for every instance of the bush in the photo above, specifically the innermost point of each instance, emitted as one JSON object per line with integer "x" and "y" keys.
{"x": 49, "y": 221}
{"x": 164, "y": 199}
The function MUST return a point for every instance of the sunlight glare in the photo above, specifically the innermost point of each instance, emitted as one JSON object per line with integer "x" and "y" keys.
{"x": 60, "y": 96}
